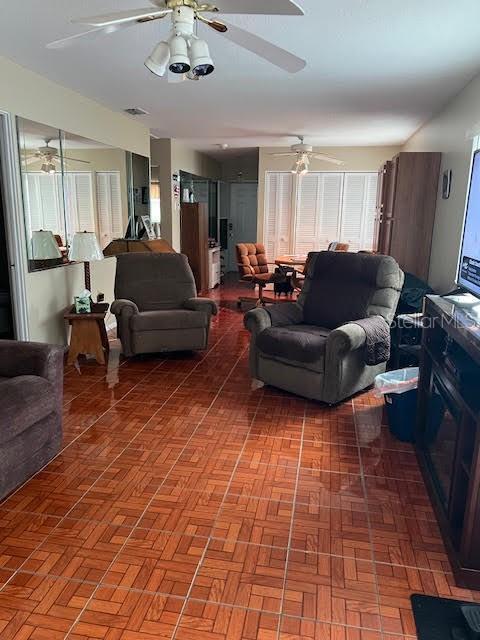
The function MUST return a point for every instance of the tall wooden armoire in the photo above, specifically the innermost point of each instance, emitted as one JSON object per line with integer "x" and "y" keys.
{"x": 194, "y": 240}
{"x": 406, "y": 202}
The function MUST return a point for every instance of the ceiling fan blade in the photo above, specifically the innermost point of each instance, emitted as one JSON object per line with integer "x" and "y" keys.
{"x": 214, "y": 24}
{"x": 260, "y": 7}
{"x": 31, "y": 159}
{"x": 88, "y": 35}
{"x": 322, "y": 156}
{"x": 266, "y": 50}
{"x": 283, "y": 155}
{"x": 121, "y": 17}
{"x": 74, "y": 160}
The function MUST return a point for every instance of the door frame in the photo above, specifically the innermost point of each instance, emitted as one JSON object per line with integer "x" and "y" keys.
{"x": 14, "y": 222}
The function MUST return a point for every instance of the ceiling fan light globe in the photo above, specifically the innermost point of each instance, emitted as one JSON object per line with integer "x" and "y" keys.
{"x": 203, "y": 69}
{"x": 158, "y": 60}
{"x": 179, "y": 60}
{"x": 202, "y": 63}
{"x": 179, "y": 67}
{"x": 48, "y": 167}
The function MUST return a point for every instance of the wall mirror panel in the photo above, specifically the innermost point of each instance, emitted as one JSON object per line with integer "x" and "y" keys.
{"x": 73, "y": 184}
{"x": 139, "y": 195}
{"x": 41, "y": 165}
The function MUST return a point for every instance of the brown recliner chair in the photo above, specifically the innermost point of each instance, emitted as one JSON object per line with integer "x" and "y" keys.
{"x": 253, "y": 268}
{"x": 156, "y": 304}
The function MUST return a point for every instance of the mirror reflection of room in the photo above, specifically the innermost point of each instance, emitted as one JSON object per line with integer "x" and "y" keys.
{"x": 71, "y": 185}
{"x": 42, "y": 185}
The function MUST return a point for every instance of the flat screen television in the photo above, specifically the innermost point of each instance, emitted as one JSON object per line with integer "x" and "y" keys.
{"x": 468, "y": 276}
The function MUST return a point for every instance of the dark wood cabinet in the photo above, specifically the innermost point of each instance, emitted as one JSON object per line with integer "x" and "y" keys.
{"x": 194, "y": 241}
{"x": 448, "y": 427}
{"x": 406, "y": 202}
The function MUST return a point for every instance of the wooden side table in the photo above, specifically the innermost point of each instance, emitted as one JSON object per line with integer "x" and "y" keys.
{"x": 89, "y": 334}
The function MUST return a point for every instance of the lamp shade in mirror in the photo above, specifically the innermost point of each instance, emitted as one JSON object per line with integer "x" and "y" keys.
{"x": 44, "y": 246}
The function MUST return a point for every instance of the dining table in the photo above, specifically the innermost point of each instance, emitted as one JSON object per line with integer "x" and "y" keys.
{"x": 291, "y": 266}
{"x": 295, "y": 262}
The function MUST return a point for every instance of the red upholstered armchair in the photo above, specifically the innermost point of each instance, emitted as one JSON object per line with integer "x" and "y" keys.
{"x": 253, "y": 267}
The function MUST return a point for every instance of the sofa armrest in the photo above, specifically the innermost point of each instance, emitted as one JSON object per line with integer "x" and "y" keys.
{"x": 201, "y": 304}
{"x": 37, "y": 359}
{"x": 257, "y": 320}
{"x": 123, "y": 307}
{"x": 124, "y": 310}
{"x": 31, "y": 358}
{"x": 348, "y": 337}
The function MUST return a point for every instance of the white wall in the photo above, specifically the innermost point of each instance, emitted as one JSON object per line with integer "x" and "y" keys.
{"x": 32, "y": 96}
{"x": 243, "y": 167}
{"x": 355, "y": 159}
{"x": 450, "y": 132}
{"x": 173, "y": 156}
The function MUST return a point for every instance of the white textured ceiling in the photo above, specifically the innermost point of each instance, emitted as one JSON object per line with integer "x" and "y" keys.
{"x": 377, "y": 69}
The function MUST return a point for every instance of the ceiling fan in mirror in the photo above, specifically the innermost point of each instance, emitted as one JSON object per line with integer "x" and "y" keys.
{"x": 183, "y": 54}
{"x": 49, "y": 156}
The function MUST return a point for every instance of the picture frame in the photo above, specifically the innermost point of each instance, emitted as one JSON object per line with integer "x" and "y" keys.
{"x": 447, "y": 184}
{"x": 147, "y": 223}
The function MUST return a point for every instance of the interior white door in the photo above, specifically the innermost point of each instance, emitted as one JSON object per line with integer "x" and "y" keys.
{"x": 242, "y": 221}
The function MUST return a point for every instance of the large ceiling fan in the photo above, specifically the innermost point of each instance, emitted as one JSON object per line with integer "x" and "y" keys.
{"x": 48, "y": 156}
{"x": 184, "y": 54}
{"x": 303, "y": 153}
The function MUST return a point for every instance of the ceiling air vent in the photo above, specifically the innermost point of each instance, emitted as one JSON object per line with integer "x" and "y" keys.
{"x": 136, "y": 111}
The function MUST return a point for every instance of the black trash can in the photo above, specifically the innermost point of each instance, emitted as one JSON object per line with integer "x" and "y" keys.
{"x": 399, "y": 389}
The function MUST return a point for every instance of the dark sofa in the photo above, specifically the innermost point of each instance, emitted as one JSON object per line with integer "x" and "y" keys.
{"x": 31, "y": 399}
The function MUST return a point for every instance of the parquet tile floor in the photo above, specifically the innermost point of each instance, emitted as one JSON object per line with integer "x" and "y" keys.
{"x": 189, "y": 504}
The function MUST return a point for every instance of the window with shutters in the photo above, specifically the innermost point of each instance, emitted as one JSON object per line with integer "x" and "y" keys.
{"x": 319, "y": 204}
{"x": 358, "y": 210}
{"x": 307, "y": 213}
{"x": 278, "y": 213}
{"x": 109, "y": 206}
{"x": 79, "y": 204}
{"x": 43, "y": 197}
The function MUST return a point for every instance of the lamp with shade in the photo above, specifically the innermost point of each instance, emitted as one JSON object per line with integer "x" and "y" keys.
{"x": 44, "y": 246}
{"x": 85, "y": 248}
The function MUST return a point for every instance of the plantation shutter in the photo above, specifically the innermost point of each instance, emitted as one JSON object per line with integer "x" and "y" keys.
{"x": 358, "y": 210}
{"x": 370, "y": 212}
{"x": 308, "y": 204}
{"x": 43, "y": 203}
{"x": 80, "y": 211}
{"x": 319, "y": 199}
{"x": 278, "y": 213}
{"x": 109, "y": 207}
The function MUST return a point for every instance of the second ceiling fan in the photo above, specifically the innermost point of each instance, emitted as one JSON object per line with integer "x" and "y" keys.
{"x": 184, "y": 54}
{"x": 303, "y": 153}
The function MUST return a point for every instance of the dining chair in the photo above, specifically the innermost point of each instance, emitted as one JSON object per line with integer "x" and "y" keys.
{"x": 253, "y": 267}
